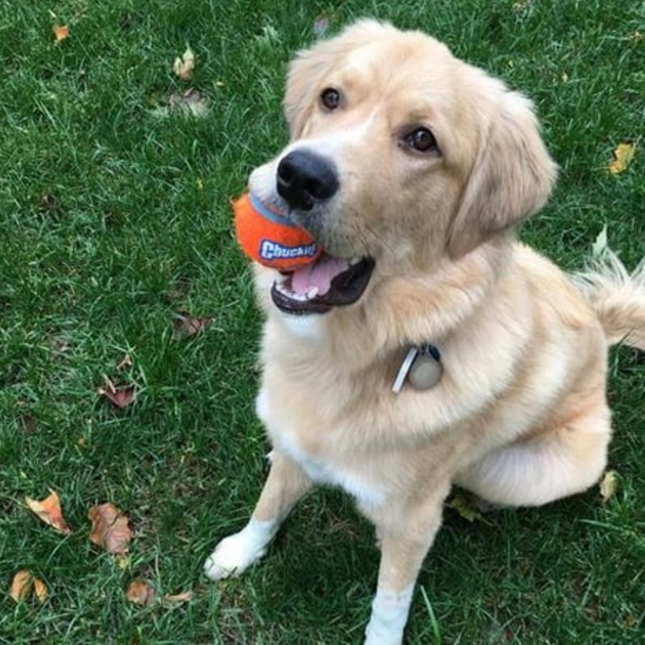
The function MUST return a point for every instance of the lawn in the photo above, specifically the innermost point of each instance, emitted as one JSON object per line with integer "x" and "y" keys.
{"x": 114, "y": 206}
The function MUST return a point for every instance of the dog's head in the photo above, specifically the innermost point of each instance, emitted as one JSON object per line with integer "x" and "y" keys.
{"x": 400, "y": 156}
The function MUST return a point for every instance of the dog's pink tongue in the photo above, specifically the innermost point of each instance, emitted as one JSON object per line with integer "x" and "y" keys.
{"x": 318, "y": 274}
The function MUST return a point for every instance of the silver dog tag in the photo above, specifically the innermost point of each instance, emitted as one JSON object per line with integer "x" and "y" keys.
{"x": 404, "y": 369}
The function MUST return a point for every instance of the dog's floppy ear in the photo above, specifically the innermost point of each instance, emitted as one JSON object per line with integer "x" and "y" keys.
{"x": 512, "y": 177}
{"x": 311, "y": 65}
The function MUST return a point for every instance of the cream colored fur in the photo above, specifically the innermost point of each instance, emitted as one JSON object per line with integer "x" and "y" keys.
{"x": 519, "y": 416}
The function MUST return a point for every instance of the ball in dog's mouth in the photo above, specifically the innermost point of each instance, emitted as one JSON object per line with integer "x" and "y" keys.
{"x": 318, "y": 287}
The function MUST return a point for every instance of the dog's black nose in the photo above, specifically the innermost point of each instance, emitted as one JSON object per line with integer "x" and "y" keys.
{"x": 304, "y": 177}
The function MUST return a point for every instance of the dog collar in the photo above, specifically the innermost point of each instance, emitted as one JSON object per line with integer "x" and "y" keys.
{"x": 421, "y": 367}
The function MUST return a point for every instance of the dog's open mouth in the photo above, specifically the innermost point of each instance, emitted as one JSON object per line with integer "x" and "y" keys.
{"x": 316, "y": 288}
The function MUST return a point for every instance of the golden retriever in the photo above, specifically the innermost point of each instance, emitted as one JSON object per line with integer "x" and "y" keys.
{"x": 411, "y": 169}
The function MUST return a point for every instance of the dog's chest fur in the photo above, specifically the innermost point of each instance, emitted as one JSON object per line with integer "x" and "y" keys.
{"x": 319, "y": 448}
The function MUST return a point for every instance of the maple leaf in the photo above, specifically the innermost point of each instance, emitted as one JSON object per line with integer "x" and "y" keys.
{"x": 187, "y": 325}
{"x": 49, "y": 511}
{"x": 622, "y": 157}
{"x": 140, "y": 592}
{"x": 608, "y": 486}
{"x": 110, "y": 528}
{"x": 184, "y": 65}
{"x": 21, "y": 585}
{"x": 121, "y": 397}
{"x": 60, "y": 32}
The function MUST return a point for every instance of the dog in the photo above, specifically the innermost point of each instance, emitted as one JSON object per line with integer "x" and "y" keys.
{"x": 427, "y": 347}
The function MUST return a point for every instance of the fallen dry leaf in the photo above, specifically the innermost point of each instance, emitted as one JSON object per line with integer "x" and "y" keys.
{"x": 608, "y": 486}
{"x": 21, "y": 585}
{"x": 179, "y": 598}
{"x": 29, "y": 423}
{"x": 140, "y": 592}
{"x": 187, "y": 325}
{"x": 110, "y": 528}
{"x": 460, "y": 504}
{"x": 60, "y": 32}
{"x": 622, "y": 157}
{"x": 600, "y": 244}
{"x": 184, "y": 65}
{"x": 121, "y": 397}
{"x": 124, "y": 363}
{"x": 40, "y": 590}
{"x": 190, "y": 103}
{"x": 122, "y": 562}
{"x": 50, "y": 512}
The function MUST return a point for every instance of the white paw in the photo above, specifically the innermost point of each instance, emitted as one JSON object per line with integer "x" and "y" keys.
{"x": 382, "y": 636}
{"x": 231, "y": 557}
{"x": 237, "y": 552}
{"x": 389, "y": 616}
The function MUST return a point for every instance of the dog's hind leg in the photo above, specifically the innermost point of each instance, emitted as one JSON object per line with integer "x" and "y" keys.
{"x": 285, "y": 485}
{"x": 546, "y": 466}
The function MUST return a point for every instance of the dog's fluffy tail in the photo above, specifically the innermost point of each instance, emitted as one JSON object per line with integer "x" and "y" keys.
{"x": 617, "y": 297}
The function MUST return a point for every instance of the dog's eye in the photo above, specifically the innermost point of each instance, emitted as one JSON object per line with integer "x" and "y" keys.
{"x": 421, "y": 140}
{"x": 330, "y": 98}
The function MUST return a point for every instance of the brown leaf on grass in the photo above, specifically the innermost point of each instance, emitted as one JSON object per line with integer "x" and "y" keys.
{"x": 190, "y": 103}
{"x": 40, "y": 590}
{"x": 29, "y": 423}
{"x": 110, "y": 528}
{"x": 121, "y": 397}
{"x": 622, "y": 157}
{"x": 608, "y": 486}
{"x": 186, "y": 325}
{"x": 21, "y": 585}
{"x": 178, "y": 599}
{"x": 184, "y": 65}
{"x": 60, "y": 32}
{"x": 50, "y": 512}
{"x": 140, "y": 592}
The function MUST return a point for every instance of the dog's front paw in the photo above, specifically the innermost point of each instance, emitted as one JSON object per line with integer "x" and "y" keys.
{"x": 237, "y": 552}
{"x": 389, "y": 615}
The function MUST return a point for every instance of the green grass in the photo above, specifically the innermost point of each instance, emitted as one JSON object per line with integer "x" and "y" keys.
{"x": 114, "y": 219}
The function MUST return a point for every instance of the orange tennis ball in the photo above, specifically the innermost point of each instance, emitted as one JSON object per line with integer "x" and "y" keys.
{"x": 271, "y": 239}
